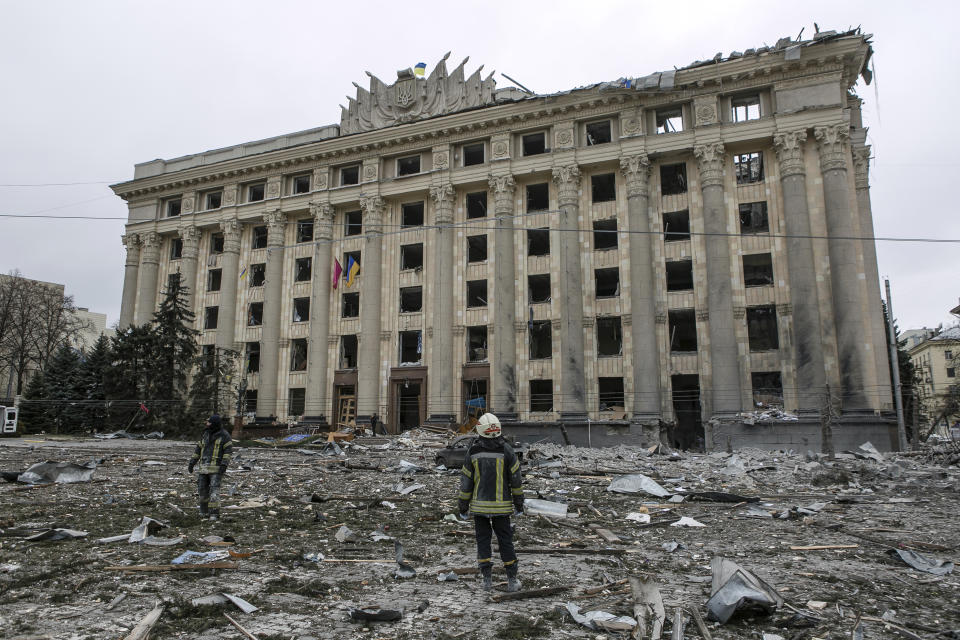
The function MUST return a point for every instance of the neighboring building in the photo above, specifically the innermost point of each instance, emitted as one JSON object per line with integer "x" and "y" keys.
{"x": 912, "y": 337}
{"x": 95, "y": 325}
{"x": 936, "y": 360}
{"x": 652, "y": 246}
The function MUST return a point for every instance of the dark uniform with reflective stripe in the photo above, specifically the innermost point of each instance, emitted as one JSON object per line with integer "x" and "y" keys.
{"x": 213, "y": 455}
{"x": 490, "y": 488}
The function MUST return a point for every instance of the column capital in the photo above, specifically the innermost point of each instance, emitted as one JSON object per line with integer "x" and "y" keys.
{"x": 636, "y": 171}
{"x": 322, "y": 213}
{"x": 151, "y": 246}
{"x": 710, "y": 159}
{"x": 502, "y": 187}
{"x": 231, "y": 235}
{"x": 276, "y": 226}
{"x": 132, "y": 242}
{"x": 372, "y": 207}
{"x": 833, "y": 142}
{"x": 442, "y": 196}
{"x": 191, "y": 240}
{"x": 861, "y": 167}
{"x": 567, "y": 179}
{"x": 789, "y": 147}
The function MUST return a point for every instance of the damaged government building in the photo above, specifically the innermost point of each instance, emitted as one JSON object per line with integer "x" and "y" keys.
{"x": 669, "y": 255}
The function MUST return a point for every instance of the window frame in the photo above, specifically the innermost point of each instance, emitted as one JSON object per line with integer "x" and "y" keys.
{"x": 403, "y": 173}
{"x": 296, "y": 182}
{"x": 248, "y": 191}
{"x": 588, "y": 139}
{"x": 473, "y": 145}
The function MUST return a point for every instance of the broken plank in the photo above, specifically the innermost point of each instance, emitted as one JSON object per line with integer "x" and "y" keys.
{"x": 823, "y": 547}
{"x": 249, "y": 635}
{"x": 142, "y": 630}
{"x": 603, "y": 587}
{"x": 173, "y": 567}
{"x": 698, "y": 620}
{"x": 608, "y": 535}
{"x": 116, "y": 601}
{"x": 532, "y": 593}
{"x": 588, "y": 552}
{"x": 647, "y": 607}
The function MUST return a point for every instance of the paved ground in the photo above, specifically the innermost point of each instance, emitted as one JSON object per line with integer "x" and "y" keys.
{"x": 64, "y": 589}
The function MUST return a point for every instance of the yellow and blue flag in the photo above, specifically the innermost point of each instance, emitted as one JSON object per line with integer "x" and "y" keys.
{"x": 243, "y": 273}
{"x": 353, "y": 268}
{"x": 420, "y": 69}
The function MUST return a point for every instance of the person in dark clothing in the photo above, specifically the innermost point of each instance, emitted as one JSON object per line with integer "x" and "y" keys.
{"x": 490, "y": 489}
{"x": 374, "y": 423}
{"x": 213, "y": 454}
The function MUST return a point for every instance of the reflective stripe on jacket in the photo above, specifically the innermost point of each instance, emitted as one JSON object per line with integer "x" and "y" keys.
{"x": 490, "y": 477}
{"x": 213, "y": 451}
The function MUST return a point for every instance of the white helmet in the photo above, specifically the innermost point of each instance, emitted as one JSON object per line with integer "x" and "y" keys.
{"x": 488, "y": 426}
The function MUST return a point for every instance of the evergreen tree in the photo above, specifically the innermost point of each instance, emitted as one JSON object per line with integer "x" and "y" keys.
{"x": 93, "y": 371}
{"x": 174, "y": 356}
{"x": 211, "y": 390}
{"x": 125, "y": 380}
{"x": 32, "y": 416}
{"x": 61, "y": 382}
{"x": 909, "y": 378}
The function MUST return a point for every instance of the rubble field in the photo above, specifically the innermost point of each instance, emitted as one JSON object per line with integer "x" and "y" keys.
{"x": 857, "y": 547}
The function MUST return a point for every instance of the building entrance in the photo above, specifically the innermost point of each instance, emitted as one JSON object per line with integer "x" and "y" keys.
{"x": 408, "y": 405}
{"x": 688, "y": 431}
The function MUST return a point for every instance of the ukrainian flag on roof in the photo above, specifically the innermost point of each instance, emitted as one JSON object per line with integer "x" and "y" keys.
{"x": 420, "y": 69}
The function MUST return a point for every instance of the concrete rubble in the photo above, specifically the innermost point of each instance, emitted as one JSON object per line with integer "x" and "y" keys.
{"x": 338, "y": 544}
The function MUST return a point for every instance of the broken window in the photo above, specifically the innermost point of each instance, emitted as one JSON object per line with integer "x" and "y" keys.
{"x": 212, "y": 200}
{"x": 753, "y": 217}
{"x": 411, "y": 299}
{"x": 214, "y": 277}
{"x": 301, "y": 309}
{"x": 762, "y": 328}
{"x": 298, "y": 354}
{"x": 253, "y": 357}
{"x": 477, "y": 204}
{"x": 350, "y": 175}
{"x": 176, "y": 248}
{"x": 745, "y": 108}
{"x": 683, "y": 330}
{"x": 172, "y": 207}
{"x": 350, "y": 305}
{"x": 679, "y": 275}
{"x": 412, "y": 214}
{"x": 408, "y": 166}
{"x": 757, "y": 270}
{"x": 541, "y": 395}
{"x": 610, "y": 391}
{"x": 258, "y": 274}
{"x": 607, "y": 282}
{"x": 255, "y": 192}
{"x": 250, "y": 400}
{"x": 748, "y": 167}
{"x": 951, "y": 372}
{"x": 346, "y": 261}
{"x": 411, "y": 347}
{"x": 305, "y": 230}
{"x": 216, "y": 243}
{"x": 541, "y": 340}
{"x": 477, "y": 344}
{"x": 298, "y": 398}
{"x": 300, "y": 184}
{"x": 411, "y": 256}
{"x": 477, "y": 248}
{"x": 673, "y": 179}
{"x": 208, "y": 356}
{"x": 259, "y": 239}
{"x": 676, "y": 226}
{"x": 609, "y": 337}
{"x": 534, "y": 143}
{"x": 172, "y": 280}
{"x": 303, "y": 269}
{"x": 604, "y": 234}
{"x": 538, "y": 197}
{"x": 473, "y": 154}
{"x": 353, "y": 223}
{"x": 598, "y": 132}
{"x": 476, "y": 293}
{"x": 538, "y": 242}
{"x": 210, "y": 317}
{"x": 604, "y": 187}
{"x": 767, "y": 388}
{"x": 255, "y": 314}
{"x": 348, "y": 352}
{"x": 539, "y": 287}
{"x": 670, "y": 120}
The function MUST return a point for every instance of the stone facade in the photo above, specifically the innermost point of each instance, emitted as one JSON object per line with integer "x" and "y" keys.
{"x": 642, "y": 252}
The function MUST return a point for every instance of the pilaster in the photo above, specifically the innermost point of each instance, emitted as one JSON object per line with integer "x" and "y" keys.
{"x": 371, "y": 296}
{"x": 147, "y": 280}
{"x": 317, "y": 392}
{"x": 442, "y": 409}
{"x": 267, "y": 404}
{"x": 503, "y": 363}
{"x": 230, "y": 272}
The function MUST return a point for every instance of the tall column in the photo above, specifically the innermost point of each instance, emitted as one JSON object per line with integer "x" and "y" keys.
{"x": 847, "y": 310}
{"x": 147, "y": 280}
{"x": 188, "y": 262}
{"x": 442, "y": 406}
{"x": 368, "y": 358}
{"x": 317, "y": 386}
{"x": 645, "y": 359}
{"x": 230, "y": 272}
{"x": 130, "y": 268}
{"x": 723, "y": 339}
{"x": 811, "y": 379}
{"x": 861, "y": 180}
{"x": 272, "y": 304}
{"x": 573, "y": 401}
{"x": 503, "y": 370}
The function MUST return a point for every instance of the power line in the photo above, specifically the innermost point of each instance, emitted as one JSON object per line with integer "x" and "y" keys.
{"x": 53, "y": 184}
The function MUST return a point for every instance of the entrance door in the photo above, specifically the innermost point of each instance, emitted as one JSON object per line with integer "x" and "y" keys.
{"x": 688, "y": 432}
{"x": 346, "y": 406}
{"x": 408, "y": 405}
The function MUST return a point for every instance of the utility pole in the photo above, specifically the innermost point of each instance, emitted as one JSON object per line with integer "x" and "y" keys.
{"x": 895, "y": 369}
{"x": 241, "y": 394}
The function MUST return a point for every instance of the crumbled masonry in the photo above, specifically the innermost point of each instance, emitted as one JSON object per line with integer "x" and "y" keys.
{"x": 365, "y": 543}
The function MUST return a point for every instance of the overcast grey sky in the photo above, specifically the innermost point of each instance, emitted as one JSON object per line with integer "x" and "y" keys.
{"x": 93, "y": 87}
